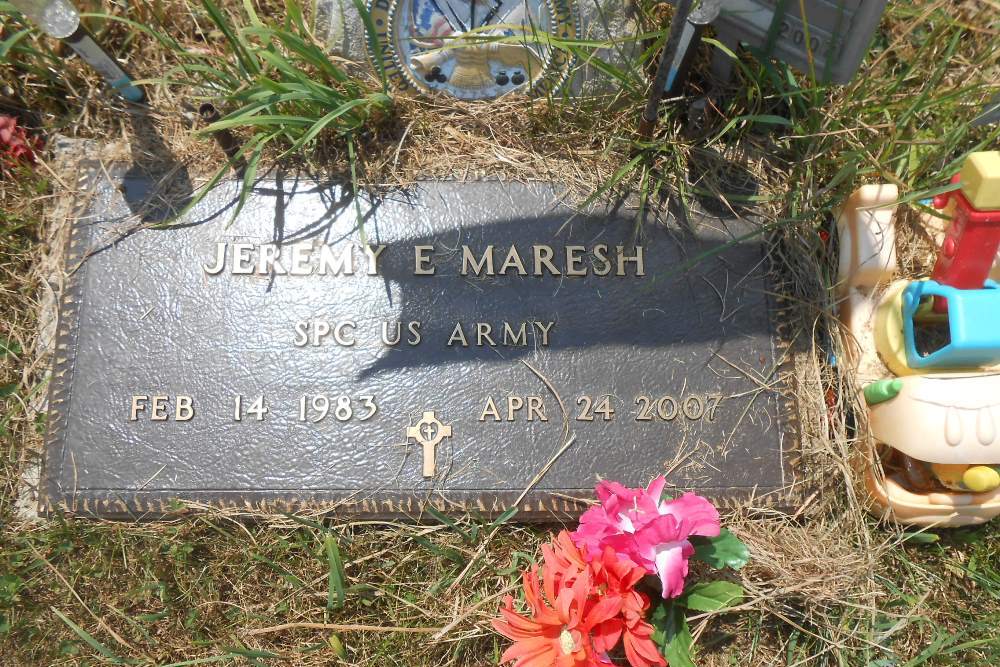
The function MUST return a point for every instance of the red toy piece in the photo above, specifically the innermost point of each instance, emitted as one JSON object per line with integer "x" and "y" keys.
{"x": 15, "y": 144}
{"x": 970, "y": 245}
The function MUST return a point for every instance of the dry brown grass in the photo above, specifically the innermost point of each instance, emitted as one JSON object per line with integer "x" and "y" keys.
{"x": 827, "y": 585}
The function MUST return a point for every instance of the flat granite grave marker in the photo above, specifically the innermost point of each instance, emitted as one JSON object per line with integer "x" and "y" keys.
{"x": 477, "y": 346}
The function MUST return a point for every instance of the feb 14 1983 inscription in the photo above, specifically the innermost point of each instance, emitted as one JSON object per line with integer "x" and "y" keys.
{"x": 472, "y": 345}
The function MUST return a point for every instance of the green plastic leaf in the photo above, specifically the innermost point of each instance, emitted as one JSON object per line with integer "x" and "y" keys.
{"x": 726, "y": 550}
{"x": 672, "y": 634}
{"x": 921, "y": 537}
{"x": 882, "y": 391}
{"x": 712, "y": 596}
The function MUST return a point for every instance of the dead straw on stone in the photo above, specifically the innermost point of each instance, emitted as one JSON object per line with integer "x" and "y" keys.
{"x": 568, "y": 441}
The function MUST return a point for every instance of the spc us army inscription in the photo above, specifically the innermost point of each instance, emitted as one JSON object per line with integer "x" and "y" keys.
{"x": 475, "y": 346}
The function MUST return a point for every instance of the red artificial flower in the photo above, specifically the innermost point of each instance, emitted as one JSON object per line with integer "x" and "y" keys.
{"x": 15, "y": 145}
{"x": 558, "y": 635}
{"x": 619, "y": 576}
{"x": 594, "y": 606}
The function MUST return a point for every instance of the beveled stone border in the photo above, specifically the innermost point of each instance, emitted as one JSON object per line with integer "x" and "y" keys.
{"x": 533, "y": 505}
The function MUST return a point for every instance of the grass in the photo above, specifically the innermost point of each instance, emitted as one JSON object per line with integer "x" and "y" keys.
{"x": 830, "y": 587}
{"x": 275, "y": 83}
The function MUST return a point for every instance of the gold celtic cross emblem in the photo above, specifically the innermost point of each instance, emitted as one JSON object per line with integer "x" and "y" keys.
{"x": 429, "y": 432}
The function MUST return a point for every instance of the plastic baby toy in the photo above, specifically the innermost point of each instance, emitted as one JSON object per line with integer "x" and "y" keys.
{"x": 927, "y": 352}
{"x": 970, "y": 245}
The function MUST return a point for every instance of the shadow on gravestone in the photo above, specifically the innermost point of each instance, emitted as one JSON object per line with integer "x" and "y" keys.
{"x": 336, "y": 196}
{"x": 146, "y": 199}
{"x": 582, "y": 323}
{"x": 171, "y": 190}
{"x": 514, "y": 298}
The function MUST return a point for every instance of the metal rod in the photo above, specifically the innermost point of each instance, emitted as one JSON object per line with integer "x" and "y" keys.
{"x": 85, "y": 47}
{"x": 227, "y": 140}
{"x": 651, "y": 113}
{"x": 706, "y": 12}
{"x": 61, "y": 20}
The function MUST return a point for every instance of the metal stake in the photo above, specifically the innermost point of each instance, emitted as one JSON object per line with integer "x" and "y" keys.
{"x": 651, "y": 113}
{"x": 706, "y": 12}
{"x": 60, "y": 19}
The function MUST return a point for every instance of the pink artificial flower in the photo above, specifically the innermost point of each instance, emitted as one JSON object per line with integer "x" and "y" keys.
{"x": 651, "y": 533}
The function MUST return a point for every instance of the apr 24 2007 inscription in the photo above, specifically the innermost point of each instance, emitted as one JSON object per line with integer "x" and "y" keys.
{"x": 477, "y": 345}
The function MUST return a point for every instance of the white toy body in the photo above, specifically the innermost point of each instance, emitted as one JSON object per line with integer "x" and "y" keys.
{"x": 927, "y": 430}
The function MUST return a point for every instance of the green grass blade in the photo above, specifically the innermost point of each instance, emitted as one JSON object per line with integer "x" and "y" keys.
{"x": 335, "y": 581}
{"x": 448, "y": 521}
{"x": 93, "y": 643}
{"x": 228, "y": 657}
{"x": 622, "y": 77}
{"x": 252, "y": 13}
{"x": 226, "y": 79}
{"x": 325, "y": 93}
{"x": 767, "y": 119}
{"x": 621, "y": 173}
{"x": 307, "y": 52}
{"x": 162, "y": 37}
{"x": 329, "y": 118}
{"x": 249, "y": 64}
{"x": 12, "y": 41}
{"x": 352, "y": 160}
{"x": 250, "y": 174}
{"x": 249, "y": 120}
{"x": 507, "y": 515}
{"x": 293, "y": 12}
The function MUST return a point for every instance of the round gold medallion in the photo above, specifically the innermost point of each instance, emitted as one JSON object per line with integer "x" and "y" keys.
{"x": 474, "y": 49}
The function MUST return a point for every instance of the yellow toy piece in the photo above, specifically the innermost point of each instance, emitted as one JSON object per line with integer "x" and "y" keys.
{"x": 950, "y": 474}
{"x": 980, "y": 178}
{"x": 960, "y": 477}
{"x": 981, "y": 479}
{"x": 889, "y": 330}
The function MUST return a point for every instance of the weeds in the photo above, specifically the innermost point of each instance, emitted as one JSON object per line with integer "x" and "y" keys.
{"x": 273, "y": 82}
{"x": 830, "y": 588}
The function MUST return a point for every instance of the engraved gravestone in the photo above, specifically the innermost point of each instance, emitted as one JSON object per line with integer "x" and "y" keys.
{"x": 471, "y": 345}
{"x": 828, "y": 38}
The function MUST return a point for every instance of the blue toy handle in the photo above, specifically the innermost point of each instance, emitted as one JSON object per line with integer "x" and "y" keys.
{"x": 974, "y": 336}
{"x": 913, "y": 296}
